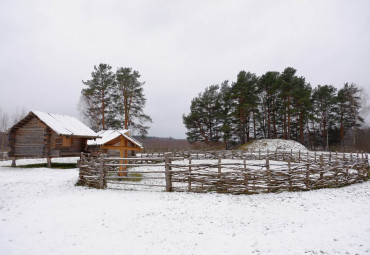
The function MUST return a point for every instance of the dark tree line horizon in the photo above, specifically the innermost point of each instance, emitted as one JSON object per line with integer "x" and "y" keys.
{"x": 274, "y": 105}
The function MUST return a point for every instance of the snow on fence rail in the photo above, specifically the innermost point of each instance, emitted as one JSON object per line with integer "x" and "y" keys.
{"x": 279, "y": 155}
{"x": 228, "y": 175}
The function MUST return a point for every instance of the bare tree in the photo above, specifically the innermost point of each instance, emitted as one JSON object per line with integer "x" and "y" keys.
{"x": 4, "y": 125}
{"x": 365, "y": 105}
{"x": 90, "y": 119}
{"x": 18, "y": 115}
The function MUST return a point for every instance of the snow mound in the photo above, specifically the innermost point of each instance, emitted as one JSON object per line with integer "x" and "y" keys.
{"x": 272, "y": 145}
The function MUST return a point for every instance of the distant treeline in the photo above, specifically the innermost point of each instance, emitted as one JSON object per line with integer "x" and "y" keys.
{"x": 161, "y": 144}
{"x": 274, "y": 105}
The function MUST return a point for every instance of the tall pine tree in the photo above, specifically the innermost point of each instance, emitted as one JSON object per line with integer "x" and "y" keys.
{"x": 96, "y": 98}
{"x": 129, "y": 102}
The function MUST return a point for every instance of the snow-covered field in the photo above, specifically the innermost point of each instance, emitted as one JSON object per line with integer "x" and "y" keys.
{"x": 43, "y": 212}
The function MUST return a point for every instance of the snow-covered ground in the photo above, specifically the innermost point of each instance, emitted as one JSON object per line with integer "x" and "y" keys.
{"x": 43, "y": 212}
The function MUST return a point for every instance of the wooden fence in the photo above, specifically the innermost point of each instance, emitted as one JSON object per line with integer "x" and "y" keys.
{"x": 289, "y": 172}
{"x": 97, "y": 172}
{"x": 277, "y": 155}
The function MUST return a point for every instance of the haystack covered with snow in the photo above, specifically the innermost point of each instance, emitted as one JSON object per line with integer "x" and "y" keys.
{"x": 272, "y": 145}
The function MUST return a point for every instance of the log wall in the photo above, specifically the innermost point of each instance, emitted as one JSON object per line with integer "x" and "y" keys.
{"x": 32, "y": 138}
{"x": 28, "y": 140}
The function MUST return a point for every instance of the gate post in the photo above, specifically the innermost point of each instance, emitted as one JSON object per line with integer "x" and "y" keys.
{"x": 268, "y": 175}
{"x": 102, "y": 181}
{"x": 168, "y": 171}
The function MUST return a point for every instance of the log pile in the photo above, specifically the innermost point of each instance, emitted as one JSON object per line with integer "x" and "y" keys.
{"x": 92, "y": 172}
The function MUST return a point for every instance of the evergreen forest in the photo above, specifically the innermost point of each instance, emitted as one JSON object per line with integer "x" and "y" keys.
{"x": 274, "y": 105}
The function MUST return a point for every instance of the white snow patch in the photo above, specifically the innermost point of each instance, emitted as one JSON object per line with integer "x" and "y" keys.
{"x": 273, "y": 144}
{"x": 43, "y": 212}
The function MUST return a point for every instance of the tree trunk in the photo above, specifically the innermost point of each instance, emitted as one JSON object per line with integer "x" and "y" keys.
{"x": 103, "y": 110}
{"x": 301, "y": 128}
{"x": 288, "y": 134}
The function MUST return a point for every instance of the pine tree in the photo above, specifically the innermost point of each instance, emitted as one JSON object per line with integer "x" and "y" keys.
{"x": 324, "y": 108}
{"x": 268, "y": 91}
{"x": 349, "y": 105}
{"x": 96, "y": 98}
{"x": 129, "y": 102}
{"x": 225, "y": 114}
{"x": 302, "y": 106}
{"x": 204, "y": 120}
{"x": 286, "y": 83}
{"x": 245, "y": 104}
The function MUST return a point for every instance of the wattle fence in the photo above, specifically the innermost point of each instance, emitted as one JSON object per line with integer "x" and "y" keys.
{"x": 234, "y": 172}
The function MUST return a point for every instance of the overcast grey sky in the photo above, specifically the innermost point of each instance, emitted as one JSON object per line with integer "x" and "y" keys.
{"x": 179, "y": 48}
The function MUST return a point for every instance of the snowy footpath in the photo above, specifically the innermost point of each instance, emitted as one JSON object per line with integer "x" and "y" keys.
{"x": 43, "y": 212}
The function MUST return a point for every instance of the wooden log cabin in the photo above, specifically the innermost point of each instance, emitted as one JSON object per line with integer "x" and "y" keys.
{"x": 45, "y": 135}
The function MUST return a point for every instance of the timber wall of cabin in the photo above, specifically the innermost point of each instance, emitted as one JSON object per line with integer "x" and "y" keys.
{"x": 77, "y": 145}
{"x": 96, "y": 149}
{"x": 28, "y": 140}
{"x": 35, "y": 139}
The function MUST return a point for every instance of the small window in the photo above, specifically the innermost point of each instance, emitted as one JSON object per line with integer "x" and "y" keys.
{"x": 67, "y": 141}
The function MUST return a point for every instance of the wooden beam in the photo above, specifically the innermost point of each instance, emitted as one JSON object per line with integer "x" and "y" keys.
{"x": 121, "y": 155}
{"x": 120, "y": 148}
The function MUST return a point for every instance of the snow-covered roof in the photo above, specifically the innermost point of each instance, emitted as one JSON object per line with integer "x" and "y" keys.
{"x": 65, "y": 125}
{"x": 109, "y": 135}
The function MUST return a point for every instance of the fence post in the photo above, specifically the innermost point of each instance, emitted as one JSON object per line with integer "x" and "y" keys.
{"x": 276, "y": 154}
{"x": 189, "y": 178}
{"x": 321, "y": 166}
{"x": 308, "y": 156}
{"x": 299, "y": 156}
{"x": 308, "y": 176}
{"x": 268, "y": 175}
{"x": 219, "y": 174}
{"x": 259, "y": 154}
{"x": 219, "y": 166}
{"x": 290, "y": 176}
{"x": 168, "y": 171}
{"x": 101, "y": 172}
{"x": 245, "y": 176}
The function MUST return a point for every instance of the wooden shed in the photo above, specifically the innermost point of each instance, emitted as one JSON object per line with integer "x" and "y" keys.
{"x": 114, "y": 143}
{"x": 45, "y": 135}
